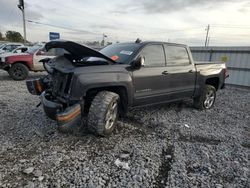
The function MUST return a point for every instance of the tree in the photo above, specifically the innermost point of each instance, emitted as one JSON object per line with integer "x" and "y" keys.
{"x": 102, "y": 42}
{"x": 1, "y": 36}
{"x": 14, "y": 36}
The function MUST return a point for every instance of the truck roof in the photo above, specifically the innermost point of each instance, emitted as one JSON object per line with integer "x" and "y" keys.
{"x": 154, "y": 42}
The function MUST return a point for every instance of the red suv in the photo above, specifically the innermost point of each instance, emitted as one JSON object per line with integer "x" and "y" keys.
{"x": 19, "y": 65}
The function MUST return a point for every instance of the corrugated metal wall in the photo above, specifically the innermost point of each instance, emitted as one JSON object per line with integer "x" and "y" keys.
{"x": 238, "y": 61}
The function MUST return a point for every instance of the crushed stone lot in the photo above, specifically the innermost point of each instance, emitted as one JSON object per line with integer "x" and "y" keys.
{"x": 171, "y": 145}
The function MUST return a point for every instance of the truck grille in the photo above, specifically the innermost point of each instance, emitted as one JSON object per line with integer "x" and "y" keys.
{"x": 61, "y": 84}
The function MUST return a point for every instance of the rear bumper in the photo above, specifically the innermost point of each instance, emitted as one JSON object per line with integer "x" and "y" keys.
{"x": 65, "y": 117}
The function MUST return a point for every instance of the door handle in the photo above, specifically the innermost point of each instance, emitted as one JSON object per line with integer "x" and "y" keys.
{"x": 164, "y": 72}
{"x": 190, "y": 71}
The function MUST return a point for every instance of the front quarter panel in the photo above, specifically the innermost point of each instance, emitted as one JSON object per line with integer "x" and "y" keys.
{"x": 84, "y": 82}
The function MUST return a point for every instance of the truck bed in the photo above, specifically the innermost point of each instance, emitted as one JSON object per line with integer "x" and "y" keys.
{"x": 212, "y": 67}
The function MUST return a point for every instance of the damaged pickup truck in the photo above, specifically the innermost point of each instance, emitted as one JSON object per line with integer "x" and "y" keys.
{"x": 100, "y": 86}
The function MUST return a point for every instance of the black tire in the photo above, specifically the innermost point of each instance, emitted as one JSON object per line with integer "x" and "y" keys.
{"x": 18, "y": 71}
{"x": 103, "y": 113}
{"x": 201, "y": 102}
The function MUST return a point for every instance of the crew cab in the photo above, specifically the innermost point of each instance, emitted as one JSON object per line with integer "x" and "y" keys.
{"x": 100, "y": 86}
{"x": 18, "y": 65}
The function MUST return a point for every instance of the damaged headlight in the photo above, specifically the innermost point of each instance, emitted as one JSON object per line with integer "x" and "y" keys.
{"x": 48, "y": 68}
{"x": 47, "y": 65}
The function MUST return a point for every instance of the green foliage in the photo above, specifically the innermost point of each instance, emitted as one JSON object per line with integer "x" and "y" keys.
{"x": 224, "y": 59}
{"x": 109, "y": 43}
{"x": 1, "y": 36}
{"x": 14, "y": 36}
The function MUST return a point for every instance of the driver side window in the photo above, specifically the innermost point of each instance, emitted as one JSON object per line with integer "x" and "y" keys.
{"x": 153, "y": 55}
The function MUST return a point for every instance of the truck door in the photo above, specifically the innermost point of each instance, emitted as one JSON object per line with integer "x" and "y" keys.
{"x": 181, "y": 72}
{"x": 149, "y": 81}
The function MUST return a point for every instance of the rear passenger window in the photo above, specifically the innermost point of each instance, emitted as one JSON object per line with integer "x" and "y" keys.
{"x": 154, "y": 55}
{"x": 176, "y": 55}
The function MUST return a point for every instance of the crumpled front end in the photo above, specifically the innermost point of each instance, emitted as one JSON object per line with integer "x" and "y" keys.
{"x": 54, "y": 91}
{"x": 66, "y": 117}
{"x": 35, "y": 86}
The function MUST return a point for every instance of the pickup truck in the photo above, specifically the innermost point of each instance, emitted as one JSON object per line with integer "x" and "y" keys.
{"x": 18, "y": 65}
{"x": 84, "y": 85}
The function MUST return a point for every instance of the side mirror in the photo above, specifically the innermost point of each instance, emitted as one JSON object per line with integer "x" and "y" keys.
{"x": 138, "y": 63}
{"x": 40, "y": 52}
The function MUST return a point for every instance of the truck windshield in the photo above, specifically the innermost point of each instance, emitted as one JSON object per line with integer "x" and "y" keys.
{"x": 2, "y": 45}
{"x": 120, "y": 53}
{"x": 33, "y": 49}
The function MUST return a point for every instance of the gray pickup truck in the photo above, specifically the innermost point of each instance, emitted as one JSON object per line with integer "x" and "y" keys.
{"x": 100, "y": 86}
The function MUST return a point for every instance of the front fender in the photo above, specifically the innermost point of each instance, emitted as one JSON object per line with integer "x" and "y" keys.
{"x": 84, "y": 82}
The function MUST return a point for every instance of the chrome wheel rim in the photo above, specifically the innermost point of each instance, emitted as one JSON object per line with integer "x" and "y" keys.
{"x": 209, "y": 100}
{"x": 111, "y": 115}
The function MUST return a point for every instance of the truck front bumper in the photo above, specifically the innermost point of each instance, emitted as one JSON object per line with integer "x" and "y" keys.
{"x": 65, "y": 117}
{"x": 4, "y": 65}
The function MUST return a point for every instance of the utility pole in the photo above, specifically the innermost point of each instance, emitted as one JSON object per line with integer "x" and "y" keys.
{"x": 21, "y": 7}
{"x": 207, "y": 29}
{"x": 103, "y": 39}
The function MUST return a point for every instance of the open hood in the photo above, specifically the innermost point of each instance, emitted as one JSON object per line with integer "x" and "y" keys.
{"x": 76, "y": 49}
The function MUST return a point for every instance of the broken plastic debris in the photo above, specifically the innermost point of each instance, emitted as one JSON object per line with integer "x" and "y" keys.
{"x": 186, "y": 125}
{"x": 124, "y": 165}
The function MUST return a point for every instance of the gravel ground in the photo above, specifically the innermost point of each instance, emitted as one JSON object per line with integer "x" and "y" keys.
{"x": 171, "y": 145}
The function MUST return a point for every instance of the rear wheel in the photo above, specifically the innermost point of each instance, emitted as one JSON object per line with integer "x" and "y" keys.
{"x": 206, "y": 99}
{"x": 18, "y": 71}
{"x": 103, "y": 113}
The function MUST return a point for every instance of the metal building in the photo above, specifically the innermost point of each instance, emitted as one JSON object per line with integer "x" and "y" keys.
{"x": 237, "y": 58}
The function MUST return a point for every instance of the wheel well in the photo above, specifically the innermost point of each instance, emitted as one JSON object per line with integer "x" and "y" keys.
{"x": 22, "y": 62}
{"x": 214, "y": 82}
{"x": 120, "y": 90}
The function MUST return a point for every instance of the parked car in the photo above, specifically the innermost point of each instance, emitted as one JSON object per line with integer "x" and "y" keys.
{"x": 102, "y": 85}
{"x": 21, "y": 49}
{"x": 19, "y": 65}
{"x": 8, "y": 47}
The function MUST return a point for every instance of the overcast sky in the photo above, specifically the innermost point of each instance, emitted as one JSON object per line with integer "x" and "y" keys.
{"x": 182, "y": 21}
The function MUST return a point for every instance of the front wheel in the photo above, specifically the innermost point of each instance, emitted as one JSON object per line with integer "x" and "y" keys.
{"x": 103, "y": 113}
{"x": 18, "y": 71}
{"x": 206, "y": 99}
